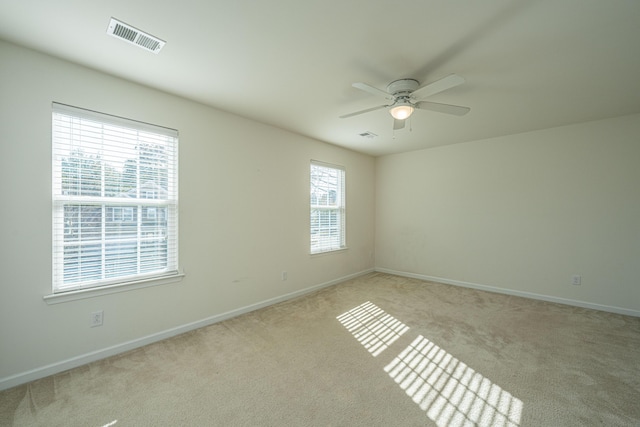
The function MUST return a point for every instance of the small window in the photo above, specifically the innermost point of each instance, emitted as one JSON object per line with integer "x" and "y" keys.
{"x": 115, "y": 200}
{"x": 327, "y": 207}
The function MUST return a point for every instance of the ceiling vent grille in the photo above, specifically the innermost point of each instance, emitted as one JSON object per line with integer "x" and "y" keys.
{"x": 368, "y": 134}
{"x": 134, "y": 36}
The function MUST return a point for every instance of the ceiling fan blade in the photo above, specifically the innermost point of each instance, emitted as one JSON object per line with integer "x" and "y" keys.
{"x": 373, "y": 90}
{"x": 456, "y": 110}
{"x": 398, "y": 124}
{"x": 438, "y": 86}
{"x": 363, "y": 111}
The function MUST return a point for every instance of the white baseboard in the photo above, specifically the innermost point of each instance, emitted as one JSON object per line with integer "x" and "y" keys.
{"x": 74, "y": 362}
{"x": 531, "y": 295}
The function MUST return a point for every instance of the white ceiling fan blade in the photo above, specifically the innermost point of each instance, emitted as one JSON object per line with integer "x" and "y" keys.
{"x": 398, "y": 124}
{"x": 373, "y": 90}
{"x": 363, "y": 111}
{"x": 456, "y": 110}
{"x": 438, "y": 86}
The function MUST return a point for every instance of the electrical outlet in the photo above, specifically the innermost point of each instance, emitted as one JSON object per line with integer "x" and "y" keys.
{"x": 96, "y": 318}
{"x": 285, "y": 275}
{"x": 576, "y": 279}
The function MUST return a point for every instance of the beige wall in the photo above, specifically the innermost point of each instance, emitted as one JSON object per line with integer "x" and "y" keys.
{"x": 520, "y": 213}
{"x": 244, "y": 194}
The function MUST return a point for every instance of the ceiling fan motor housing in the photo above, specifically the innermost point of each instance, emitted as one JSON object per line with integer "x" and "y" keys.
{"x": 402, "y": 87}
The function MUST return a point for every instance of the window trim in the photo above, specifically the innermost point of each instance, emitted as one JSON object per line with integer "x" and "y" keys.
{"x": 341, "y": 209}
{"x": 83, "y": 293}
{"x": 90, "y": 288}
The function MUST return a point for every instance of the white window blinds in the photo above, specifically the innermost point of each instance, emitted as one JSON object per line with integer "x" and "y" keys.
{"x": 327, "y": 207}
{"x": 115, "y": 200}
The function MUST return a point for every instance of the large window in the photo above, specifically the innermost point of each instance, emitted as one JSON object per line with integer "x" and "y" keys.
{"x": 115, "y": 200}
{"x": 327, "y": 207}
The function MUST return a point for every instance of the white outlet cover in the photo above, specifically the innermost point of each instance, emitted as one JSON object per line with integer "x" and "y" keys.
{"x": 96, "y": 318}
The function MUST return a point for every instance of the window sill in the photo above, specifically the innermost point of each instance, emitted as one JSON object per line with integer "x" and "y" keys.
{"x": 110, "y": 289}
{"x": 333, "y": 251}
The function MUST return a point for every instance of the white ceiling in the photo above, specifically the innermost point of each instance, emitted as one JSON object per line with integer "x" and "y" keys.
{"x": 529, "y": 64}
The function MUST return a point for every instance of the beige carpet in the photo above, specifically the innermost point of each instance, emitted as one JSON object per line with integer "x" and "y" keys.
{"x": 379, "y": 350}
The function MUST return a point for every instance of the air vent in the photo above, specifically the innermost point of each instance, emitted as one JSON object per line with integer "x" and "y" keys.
{"x": 134, "y": 36}
{"x": 369, "y": 135}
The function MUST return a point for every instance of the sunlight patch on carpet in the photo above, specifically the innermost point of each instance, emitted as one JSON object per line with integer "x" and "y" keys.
{"x": 372, "y": 327}
{"x": 450, "y": 392}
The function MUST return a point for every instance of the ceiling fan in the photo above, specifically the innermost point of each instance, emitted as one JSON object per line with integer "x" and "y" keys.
{"x": 406, "y": 95}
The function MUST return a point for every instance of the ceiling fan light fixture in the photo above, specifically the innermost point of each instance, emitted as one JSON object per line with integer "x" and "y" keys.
{"x": 401, "y": 111}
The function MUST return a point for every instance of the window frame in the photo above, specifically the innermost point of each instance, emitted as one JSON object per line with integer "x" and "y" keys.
{"x": 339, "y": 210}
{"x": 165, "y": 235}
